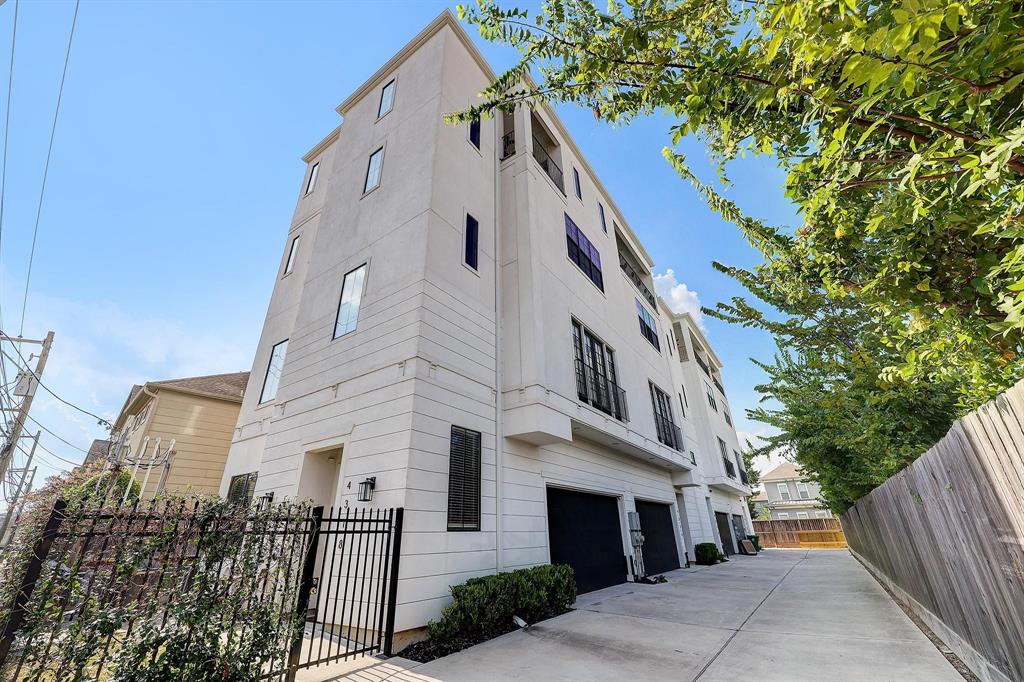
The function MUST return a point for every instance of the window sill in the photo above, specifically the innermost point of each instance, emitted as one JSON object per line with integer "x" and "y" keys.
{"x": 369, "y": 191}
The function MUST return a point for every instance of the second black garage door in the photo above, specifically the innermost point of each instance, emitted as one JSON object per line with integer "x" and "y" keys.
{"x": 660, "y": 551}
{"x": 584, "y": 532}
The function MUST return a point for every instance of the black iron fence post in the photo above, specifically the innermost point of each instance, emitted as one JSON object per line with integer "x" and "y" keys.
{"x": 396, "y": 554}
{"x": 305, "y": 589}
{"x": 28, "y": 583}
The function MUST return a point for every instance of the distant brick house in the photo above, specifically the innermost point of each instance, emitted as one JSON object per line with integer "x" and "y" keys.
{"x": 789, "y": 494}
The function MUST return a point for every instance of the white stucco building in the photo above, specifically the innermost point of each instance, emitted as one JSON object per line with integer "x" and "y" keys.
{"x": 462, "y": 313}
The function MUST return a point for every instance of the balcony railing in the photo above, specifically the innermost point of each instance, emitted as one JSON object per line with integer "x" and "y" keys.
{"x": 635, "y": 278}
{"x": 703, "y": 365}
{"x": 548, "y": 164}
{"x": 718, "y": 384}
{"x": 743, "y": 477}
{"x": 668, "y": 433}
{"x": 730, "y": 468}
{"x": 508, "y": 144}
{"x": 595, "y": 388}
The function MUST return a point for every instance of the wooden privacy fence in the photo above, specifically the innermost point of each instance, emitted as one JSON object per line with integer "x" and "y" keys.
{"x": 948, "y": 532}
{"x": 801, "y": 533}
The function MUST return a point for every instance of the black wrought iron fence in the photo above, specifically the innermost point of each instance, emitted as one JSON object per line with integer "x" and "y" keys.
{"x": 198, "y": 589}
{"x": 597, "y": 389}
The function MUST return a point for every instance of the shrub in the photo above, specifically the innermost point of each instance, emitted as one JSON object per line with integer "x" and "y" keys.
{"x": 706, "y": 553}
{"x": 483, "y": 607}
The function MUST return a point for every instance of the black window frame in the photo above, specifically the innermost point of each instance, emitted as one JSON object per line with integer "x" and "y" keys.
{"x": 465, "y": 469}
{"x": 583, "y": 253}
{"x": 289, "y": 263}
{"x": 471, "y": 243}
{"x": 648, "y": 325}
{"x": 314, "y": 173}
{"x": 242, "y": 488}
{"x": 576, "y": 183}
{"x": 604, "y": 220}
{"x": 380, "y": 170}
{"x": 264, "y": 399}
{"x": 474, "y": 132}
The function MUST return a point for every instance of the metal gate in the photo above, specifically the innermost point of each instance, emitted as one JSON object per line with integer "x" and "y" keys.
{"x": 348, "y": 588}
{"x": 97, "y": 587}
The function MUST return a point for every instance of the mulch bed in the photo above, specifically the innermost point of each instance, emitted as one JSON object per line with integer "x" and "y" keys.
{"x": 428, "y": 650}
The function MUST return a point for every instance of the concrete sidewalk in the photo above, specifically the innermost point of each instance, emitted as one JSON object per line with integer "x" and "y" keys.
{"x": 784, "y": 615}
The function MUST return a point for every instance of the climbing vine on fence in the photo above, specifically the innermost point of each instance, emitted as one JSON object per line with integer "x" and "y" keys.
{"x": 179, "y": 588}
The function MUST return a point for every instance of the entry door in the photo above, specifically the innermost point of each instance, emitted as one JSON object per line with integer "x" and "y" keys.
{"x": 737, "y": 528}
{"x": 660, "y": 550}
{"x": 725, "y": 531}
{"x": 584, "y": 532}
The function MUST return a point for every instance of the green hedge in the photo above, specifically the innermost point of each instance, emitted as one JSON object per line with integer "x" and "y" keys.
{"x": 706, "y": 553}
{"x": 483, "y": 607}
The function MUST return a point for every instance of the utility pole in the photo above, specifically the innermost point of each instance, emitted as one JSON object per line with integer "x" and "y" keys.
{"x": 15, "y": 504}
{"x": 26, "y": 403}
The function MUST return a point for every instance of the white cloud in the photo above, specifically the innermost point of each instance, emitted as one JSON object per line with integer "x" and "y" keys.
{"x": 680, "y": 298}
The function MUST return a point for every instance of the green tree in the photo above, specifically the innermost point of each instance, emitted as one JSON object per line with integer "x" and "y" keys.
{"x": 898, "y": 302}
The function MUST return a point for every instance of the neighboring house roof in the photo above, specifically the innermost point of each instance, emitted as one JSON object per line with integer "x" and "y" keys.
{"x": 229, "y": 386}
{"x": 98, "y": 450}
{"x": 761, "y": 496}
{"x": 787, "y": 471}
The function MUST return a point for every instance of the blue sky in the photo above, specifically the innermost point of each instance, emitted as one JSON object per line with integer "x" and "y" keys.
{"x": 176, "y": 168}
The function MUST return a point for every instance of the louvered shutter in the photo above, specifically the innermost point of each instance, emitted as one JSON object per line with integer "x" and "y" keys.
{"x": 464, "y": 480}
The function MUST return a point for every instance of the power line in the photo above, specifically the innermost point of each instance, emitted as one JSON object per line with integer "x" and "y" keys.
{"x": 39, "y": 380}
{"x": 46, "y": 168}
{"x": 7, "y": 123}
{"x": 61, "y": 439}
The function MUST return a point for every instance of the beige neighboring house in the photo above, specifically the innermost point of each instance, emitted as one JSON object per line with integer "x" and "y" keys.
{"x": 790, "y": 495}
{"x": 197, "y": 413}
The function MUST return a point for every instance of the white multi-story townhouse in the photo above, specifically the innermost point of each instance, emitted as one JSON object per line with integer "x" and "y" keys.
{"x": 463, "y": 314}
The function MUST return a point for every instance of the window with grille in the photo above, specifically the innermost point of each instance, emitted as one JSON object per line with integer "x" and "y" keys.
{"x": 583, "y": 253}
{"x": 241, "y": 488}
{"x": 648, "y": 327}
{"x": 464, "y": 480}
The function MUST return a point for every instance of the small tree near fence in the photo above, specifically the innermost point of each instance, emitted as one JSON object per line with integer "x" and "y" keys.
{"x": 177, "y": 588}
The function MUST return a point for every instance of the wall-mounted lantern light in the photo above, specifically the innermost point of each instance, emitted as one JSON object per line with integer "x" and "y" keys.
{"x": 366, "y": 489}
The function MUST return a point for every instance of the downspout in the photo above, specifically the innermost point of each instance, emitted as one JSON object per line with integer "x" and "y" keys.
{"x": 499, "y": 441}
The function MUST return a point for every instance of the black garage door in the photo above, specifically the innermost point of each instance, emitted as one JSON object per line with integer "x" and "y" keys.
{"x": 584, "y": 532}
{"x": 660, "y": 552}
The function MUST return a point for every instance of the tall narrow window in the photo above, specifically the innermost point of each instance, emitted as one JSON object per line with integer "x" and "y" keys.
{"x": 474, "y": 132}
{"x": 387, "y": 98}
{"x": 293, "y": 251}
{"x": 604, "y": 221}
{"x": 583, "y": 253}
{"x": 648, "y": 327}
{"x": 464, "y": 480}
{"x": 596, "y": 378}
{"x": 665, "y": 425}
{"x": 472, "y": 241}
{"x": 576, "y": 182}
{"x": 351, "y": 296}
{"x": 313, "y": 173}
{"x": 728, "y": 419}
{"x": 711, "y": 396}
{"x": 373, "y": 170}
{"x": 274, "y": 367}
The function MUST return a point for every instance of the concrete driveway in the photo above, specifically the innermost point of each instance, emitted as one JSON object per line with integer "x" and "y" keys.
{"x": 784, "y": 615}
